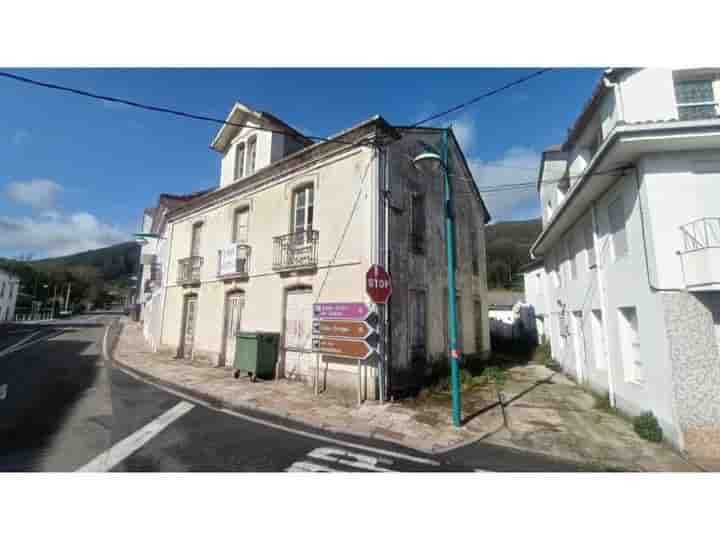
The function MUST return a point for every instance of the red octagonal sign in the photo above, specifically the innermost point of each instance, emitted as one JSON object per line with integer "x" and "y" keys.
{"x": 378, "y": 284}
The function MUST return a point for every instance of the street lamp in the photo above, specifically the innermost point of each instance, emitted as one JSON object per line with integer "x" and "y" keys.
{"x": 434, "y": 163}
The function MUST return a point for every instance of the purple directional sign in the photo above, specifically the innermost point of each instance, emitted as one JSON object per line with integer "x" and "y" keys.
{"x": 354, "y": 311}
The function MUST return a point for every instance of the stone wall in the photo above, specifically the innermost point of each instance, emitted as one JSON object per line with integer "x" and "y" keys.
{"x": 695, "y": 370}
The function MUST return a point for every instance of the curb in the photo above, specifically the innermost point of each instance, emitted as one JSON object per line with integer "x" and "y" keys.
{"x": 250, "y": 409}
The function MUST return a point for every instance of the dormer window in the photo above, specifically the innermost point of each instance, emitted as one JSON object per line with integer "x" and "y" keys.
{"x": 696, "y": 99}
{"x": 239, "y": 160}
{"x": 251, "y": 152}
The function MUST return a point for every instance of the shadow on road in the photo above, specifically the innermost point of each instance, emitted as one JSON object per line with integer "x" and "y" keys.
{"x": 45, "y": 382}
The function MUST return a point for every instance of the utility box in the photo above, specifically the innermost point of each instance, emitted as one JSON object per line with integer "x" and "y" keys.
{"x": 256, "y": 354}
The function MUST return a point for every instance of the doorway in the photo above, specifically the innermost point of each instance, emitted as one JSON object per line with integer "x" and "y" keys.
{"x": 189, "y": 322}
{"x": 297, "y": 338}
{"x": 233, "y": 324}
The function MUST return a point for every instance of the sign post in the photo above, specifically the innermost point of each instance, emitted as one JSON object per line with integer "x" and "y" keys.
{"x": 378, "y": 286}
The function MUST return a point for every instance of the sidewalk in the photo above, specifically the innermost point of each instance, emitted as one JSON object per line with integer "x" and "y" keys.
{"x": 548, "y": 414}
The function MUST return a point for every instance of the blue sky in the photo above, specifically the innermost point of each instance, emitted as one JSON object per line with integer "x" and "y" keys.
{"x": 76, "y": 173}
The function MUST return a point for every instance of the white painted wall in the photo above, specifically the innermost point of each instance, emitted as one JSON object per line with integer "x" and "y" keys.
{"x": 648, "y": 94}
{"x": 681, "y": 187}
{"x": 9, "y": 287}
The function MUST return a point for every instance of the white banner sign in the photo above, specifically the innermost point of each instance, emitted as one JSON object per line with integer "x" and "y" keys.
{"x": 228, "y": 259}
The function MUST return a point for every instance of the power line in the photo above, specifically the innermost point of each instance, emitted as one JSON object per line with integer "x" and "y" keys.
{"x": 166, "y": 110}
{"x": 482, "y": 96}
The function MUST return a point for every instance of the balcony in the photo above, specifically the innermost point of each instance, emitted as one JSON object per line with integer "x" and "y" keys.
{"x": 234, "y": 261}
{"x": 189, "y": 270}
{"x": 296, "y": 251}
{"x": 700, "y": 257}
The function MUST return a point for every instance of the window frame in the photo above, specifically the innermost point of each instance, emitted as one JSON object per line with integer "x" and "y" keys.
{"x": 239, "y": 153}
{"x": 251, "y": 157}
{"x": 630, "y": 358}
{"x": 245, "y": 209}
{"x": 308, "y": 189}
{"x": 418, "y": 210}
{"x": 715, "y": 103}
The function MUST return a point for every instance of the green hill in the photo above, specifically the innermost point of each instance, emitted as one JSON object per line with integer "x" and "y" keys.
{"x": 507, "y": 245}
{"x": 112, "y": 262}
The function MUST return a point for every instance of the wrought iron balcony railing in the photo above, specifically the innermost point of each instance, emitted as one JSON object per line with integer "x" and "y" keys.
{"x": 234, "y": 261}
{"x": 189, "y": 270}
{"x": 701, "y": 233}
{"x": 296, "y": 250}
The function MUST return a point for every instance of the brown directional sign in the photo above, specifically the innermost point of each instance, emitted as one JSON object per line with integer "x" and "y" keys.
{"x": 342, "y": 347}
{"x": 344, "y": 329}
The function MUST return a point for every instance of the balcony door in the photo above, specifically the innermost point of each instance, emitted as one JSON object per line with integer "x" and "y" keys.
{"x": 188, "y": 327}
{"x": 302, "y": 215}
{"x": 233, "y": 324}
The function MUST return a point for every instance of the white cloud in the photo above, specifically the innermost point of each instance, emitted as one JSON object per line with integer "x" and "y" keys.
{"x": 464, "y": 129}
{"x": 20, "y": 136}
{"x": 55, "y": 235}
{"x": 517, "y": 166}
{"x": 37, "y": 193}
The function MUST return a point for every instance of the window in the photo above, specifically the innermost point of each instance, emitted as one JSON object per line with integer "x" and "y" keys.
{"x": 417, "y": 224}
{"x": 195, "y": 240}
{"x": 616, "y": 216}
{"x": 695, "y": 99}
{"x": 239, "y": 160}
{"x": 251, "y": 152}
{"x": 598, "y": 337}
{"x": 303, "y": 209}
{"x": 240, "y": 226}
{"x": 630, "y": 345}
{"x": 418, "y": 310}
{"x": 589, "y": 243}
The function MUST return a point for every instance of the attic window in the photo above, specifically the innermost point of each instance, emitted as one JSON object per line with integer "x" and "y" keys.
{"x": 239, "y": 160}
{"x": 251, "y": 151}
{"x": 696, "y": 99}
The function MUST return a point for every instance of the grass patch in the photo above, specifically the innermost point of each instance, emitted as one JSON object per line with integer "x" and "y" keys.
{"x": 647, "y": 426}
{"x": 602, "y": 403}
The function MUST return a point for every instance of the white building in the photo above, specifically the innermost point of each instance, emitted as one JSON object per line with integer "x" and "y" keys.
{"x": 153, "y": 259}
{"x": 294, "y": 222}
{"x": 631, "y": 249}
{"x": 9, "y": 288}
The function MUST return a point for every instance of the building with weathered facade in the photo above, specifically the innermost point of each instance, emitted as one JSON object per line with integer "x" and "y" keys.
{"x": 153, "y": 259}
{"x": 9, "y": 289}
{"x": 631, "y": 244}
{"x": 294, "y": 223}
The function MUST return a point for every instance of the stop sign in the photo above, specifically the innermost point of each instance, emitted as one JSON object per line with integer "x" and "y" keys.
{"x": 378, "y": 284}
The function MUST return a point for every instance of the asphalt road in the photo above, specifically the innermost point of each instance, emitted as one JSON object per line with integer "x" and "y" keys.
{"x": 67, "y": 409}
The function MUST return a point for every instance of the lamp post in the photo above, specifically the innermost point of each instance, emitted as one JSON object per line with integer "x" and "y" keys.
{"x": 440, "y": 160}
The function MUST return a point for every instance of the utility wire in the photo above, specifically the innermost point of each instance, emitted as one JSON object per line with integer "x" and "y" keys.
{"x": 481, "y": 97}
{"x": 166, "y": 110}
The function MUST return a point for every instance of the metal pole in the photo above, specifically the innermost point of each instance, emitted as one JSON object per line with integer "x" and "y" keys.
{"x": 67, "y": 297}
{"x": 452, "y": 301}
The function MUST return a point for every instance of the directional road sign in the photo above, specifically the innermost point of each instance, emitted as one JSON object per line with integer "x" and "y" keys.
{"x": 355, "y": 311}
{"x": 345, "y": 348}
{"x": 343, "y": 329}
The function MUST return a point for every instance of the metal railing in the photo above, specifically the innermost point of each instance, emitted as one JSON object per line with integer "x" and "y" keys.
{"x": 189, "y": 269}
{"x": 295, "y": 250}
{"x": 701, "y": 233}
{"x": 235, "y": 261}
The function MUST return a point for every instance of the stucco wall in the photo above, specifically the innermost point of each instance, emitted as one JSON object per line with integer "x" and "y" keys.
{"x": 695, "y": 369}
{"x": 428, "y": 271}
{"x": 340, "y": 273}
{"x": 681, "y": 187}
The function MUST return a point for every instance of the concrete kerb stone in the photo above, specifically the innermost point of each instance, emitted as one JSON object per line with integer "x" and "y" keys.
{"x": 249, "y": 409}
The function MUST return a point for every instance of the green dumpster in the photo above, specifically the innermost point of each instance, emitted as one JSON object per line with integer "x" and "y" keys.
{"x": 256, "y": 354}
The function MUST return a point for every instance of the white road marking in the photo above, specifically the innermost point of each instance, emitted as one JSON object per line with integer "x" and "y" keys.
{"x": 350, "y": 459}
{"x": 25, "y": 343}
{"x": 308, "y": 466}
{"x": 310, "y": 435}
{"x": 123, "y": 449}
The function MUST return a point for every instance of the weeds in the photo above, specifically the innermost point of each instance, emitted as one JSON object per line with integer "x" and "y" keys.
{"x": 647, "y": 426}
